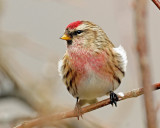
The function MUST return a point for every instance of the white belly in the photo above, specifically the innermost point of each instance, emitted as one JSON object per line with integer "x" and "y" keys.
{"x": 94, "y": 86}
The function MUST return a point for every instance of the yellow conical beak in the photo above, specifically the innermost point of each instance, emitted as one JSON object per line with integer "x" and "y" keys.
{"x": 65, "y": 37}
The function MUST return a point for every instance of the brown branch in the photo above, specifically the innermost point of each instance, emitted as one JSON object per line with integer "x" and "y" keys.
{"x": 157, "y": 3}
{"x": 141, "y": 36}
{"x": 63, "y": 115}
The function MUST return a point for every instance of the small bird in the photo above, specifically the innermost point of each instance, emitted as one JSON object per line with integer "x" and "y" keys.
{"x": 91, "y": 67}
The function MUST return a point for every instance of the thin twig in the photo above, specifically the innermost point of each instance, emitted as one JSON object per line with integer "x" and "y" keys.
{"x": 63, "y": 115}
{"x": 144, "y": 62}
{"x": 157, "y": 3}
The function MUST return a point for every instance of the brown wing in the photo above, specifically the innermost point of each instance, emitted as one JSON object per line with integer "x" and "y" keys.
{"x": 69, "y": 76}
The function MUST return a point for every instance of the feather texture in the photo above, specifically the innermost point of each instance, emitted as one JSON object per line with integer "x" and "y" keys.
{"x": 91, "y": 66}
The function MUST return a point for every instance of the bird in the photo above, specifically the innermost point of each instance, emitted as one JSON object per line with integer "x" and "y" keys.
{"x": 92, "y": 66}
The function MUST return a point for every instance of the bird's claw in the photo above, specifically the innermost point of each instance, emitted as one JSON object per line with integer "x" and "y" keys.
{"x": 78, "y": 110}
{"x": 113, "y": 98}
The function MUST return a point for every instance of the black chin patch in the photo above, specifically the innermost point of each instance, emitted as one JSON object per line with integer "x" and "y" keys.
{"x": 69, "y": 42}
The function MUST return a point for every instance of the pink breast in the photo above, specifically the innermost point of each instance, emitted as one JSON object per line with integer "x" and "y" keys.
{"x": 82, "y": 58}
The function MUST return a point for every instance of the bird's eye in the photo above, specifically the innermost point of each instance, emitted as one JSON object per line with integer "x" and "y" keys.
{"x": 77, "y": 32}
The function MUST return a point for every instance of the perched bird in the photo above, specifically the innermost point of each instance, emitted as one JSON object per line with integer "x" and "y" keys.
{"x": 91, "y": 67}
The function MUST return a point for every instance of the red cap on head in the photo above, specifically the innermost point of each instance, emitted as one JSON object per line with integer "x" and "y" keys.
{"x": 74, "y": 24}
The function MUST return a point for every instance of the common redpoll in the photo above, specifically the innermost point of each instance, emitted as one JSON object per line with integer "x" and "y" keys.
{"x": 91, "y": 67}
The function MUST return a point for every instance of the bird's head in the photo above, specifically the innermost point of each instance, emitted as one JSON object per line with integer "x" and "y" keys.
{"x": 84, "y": 33}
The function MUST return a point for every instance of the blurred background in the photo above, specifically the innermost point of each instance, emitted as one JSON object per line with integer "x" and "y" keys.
{"x": 30, "y": 49}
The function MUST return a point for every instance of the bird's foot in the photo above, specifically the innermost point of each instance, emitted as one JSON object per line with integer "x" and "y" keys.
{"x": 78, "y": 110}
{"x": 113, "y": 98}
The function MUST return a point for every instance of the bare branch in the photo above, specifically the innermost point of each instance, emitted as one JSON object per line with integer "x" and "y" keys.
{"x": 63, "y": 115}
{"x": 157, "y": 3}
{"x": 144, "y": 62}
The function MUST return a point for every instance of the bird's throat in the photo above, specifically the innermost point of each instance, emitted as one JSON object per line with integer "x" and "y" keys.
{"x": 69, "y": 42}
